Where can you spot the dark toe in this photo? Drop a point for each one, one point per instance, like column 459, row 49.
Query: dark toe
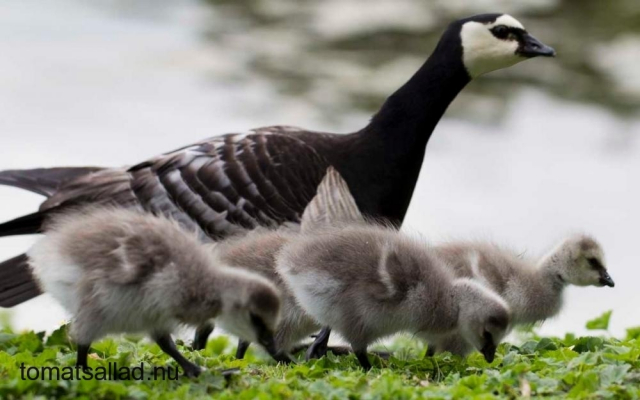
column 315, row 351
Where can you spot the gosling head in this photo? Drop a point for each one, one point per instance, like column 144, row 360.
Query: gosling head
column 483, row 318
column 251, row 309
column 494, row 41
column 580, row 261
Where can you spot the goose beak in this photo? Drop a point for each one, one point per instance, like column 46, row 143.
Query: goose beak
column 532, row 47
column 605, row 279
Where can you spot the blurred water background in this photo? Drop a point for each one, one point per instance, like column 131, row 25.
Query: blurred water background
column 524, row 156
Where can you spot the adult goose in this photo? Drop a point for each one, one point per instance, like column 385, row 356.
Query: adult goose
column 266, row 177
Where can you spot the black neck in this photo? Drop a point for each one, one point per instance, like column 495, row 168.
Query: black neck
column 408, row 117
column 391, row 148
column 381, row 162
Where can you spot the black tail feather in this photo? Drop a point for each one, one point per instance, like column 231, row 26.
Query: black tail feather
column 44, row 181
column 17, row 284
column 25, row 225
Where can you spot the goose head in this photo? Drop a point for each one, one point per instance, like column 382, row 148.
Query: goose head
column 580, row 261
column 494, row 41
column 483, row 318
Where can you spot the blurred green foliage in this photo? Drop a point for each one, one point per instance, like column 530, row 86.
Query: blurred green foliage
column 569, row 367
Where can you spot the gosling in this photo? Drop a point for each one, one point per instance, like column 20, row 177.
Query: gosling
column 257, row 252
column 533, row 291
column 122, row 271
column 368, row 281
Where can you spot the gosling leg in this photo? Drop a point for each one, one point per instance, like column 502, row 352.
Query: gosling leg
column 361, row 355
column 83, row 352
column 202, row 336
column 167, row 345
column 243, row 345
column 431, row 351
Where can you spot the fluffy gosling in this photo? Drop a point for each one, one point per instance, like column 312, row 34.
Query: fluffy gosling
column 368, row 282
column 257, row 253
column 534, row 291
column 117, row 271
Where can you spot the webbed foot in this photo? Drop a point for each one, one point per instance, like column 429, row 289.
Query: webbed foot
column 320, row 346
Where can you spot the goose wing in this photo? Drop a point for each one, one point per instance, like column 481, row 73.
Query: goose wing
column 332, row 203
column 265, row 177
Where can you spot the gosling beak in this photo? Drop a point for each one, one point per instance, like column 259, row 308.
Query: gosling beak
column 489, row 351
column 605, row 279
column 270, row 345
column 266, row 339
column 532, row 47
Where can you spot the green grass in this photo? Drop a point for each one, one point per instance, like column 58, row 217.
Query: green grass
column 575, row 367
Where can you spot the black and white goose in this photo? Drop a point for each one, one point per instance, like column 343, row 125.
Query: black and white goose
column 266, row 177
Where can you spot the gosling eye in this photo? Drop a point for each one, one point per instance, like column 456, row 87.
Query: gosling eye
column 595, row 263
column 500, row 31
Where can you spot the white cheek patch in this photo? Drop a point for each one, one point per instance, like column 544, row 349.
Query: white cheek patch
column 482, row 52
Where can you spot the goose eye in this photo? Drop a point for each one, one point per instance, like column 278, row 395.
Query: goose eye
column 595, row 263
column 500, row 31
